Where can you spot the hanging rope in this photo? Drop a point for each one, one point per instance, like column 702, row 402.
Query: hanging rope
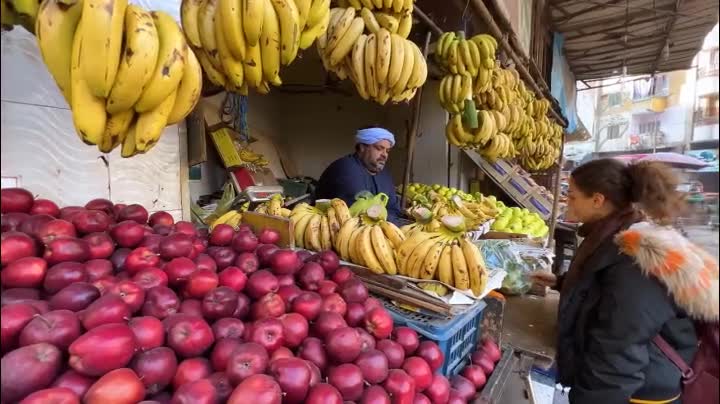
column 234, row 114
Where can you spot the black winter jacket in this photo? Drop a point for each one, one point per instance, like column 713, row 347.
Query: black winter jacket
column 606, row 324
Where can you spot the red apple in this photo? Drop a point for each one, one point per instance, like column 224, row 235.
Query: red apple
column 66, row 249
column 379, row 323
column 199, row 283
column 105, row 310
column 393, row 351
column 176, row 245
column 101, row 245
column 16, row 245
column 261, row 283
column 420, row 371
column 55, row 395
column 221, row 352
column 334, row 303
column 119, row 386
column 246, row 360
column 256, row 389
column 476, row 375
column 348, row 379
column 102, row 205
column 326, row 322
column 308, row 304
column 13, row 221
column 222, row 385
column 74, row 297
column 232, row 328
column 192, row 306
column 293, row 376
column 355, row 315
column 234, row 278
column 13, row 318
column 374, row 366
column 62, row 275
column 269, row 236
column 102, row 349
column 190, row 336
column 26, row 272
column 247, row 262
column 224, row 257
column 312, row 350
column 221, row 235
column 130, row 292
column 160, row 302
column 59, row 327
column 375, row 395
column 155, row 367
column 269, row 306
column 432, row 354
column 141, row 258
column 149, row 332
column 180, row 269
column 77, row 383
column 28, row 369
column 220, row 302
column 323, row 393
column 343, row 344
column 97, row 269
column 186, row 228
column 191, row 370
column 439, row 390
column 135, row 213
column 149, row 278
column 268, row 332
column 326, row 287
column 288, row 293
column 91, row 221
column 55, row 229
column 197, row 392
column 342, row 275
column 400, row 386
column 161, row 218
column 309, row 275
column 244, row 241
column 408, row 338
column 243, row 307
column 295, row 329
column 127, row 234
column 464, row 387
column 16, row 200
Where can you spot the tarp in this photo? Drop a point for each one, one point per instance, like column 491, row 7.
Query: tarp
column 709, row 156
column 562, row 84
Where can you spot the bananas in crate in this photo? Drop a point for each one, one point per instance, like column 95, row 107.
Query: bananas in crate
column 231, row 218
column 243, row 44
column 126, row 72
column 382, row 64
column 19, row 12
column 273, row 207
column 445, row 255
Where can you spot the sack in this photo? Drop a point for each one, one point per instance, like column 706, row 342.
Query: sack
column 700, row 379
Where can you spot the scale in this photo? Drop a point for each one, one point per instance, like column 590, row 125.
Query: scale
column 261, row 193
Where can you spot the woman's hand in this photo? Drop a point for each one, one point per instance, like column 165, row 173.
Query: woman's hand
column 543, row 278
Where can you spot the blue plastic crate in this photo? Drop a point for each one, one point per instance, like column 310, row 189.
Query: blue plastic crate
column 456, row 336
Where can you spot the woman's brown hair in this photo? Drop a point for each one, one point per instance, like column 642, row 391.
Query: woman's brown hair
column 651, row 185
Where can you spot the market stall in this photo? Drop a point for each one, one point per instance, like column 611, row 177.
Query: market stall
column 260, row 288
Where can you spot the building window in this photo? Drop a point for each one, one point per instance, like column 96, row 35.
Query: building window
column 649, row 87
column 648, row 127
column 613, row 132
column 614, row 99
column 708, row 108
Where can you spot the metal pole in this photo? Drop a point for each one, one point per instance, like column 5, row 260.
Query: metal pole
column 414, row 125
column 556, row 194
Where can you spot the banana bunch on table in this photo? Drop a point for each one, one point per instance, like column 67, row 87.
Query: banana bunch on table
column 383, row 65
column 370, row 243
column 243, row 44
column 231, row 218
column 126, row 72
column 446, row 255
column 274, row 207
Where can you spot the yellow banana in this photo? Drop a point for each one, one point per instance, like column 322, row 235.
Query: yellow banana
column 102, row 33
column 341, row 210
column 150, row 124
column 392, row 233
column 452, row 57
column 309, row 35
column 289, row 30
column 383, row 251
column 366, row 252
column 378, row 4
column 460, row 270
column 466, row 57
column 115, row 130
column 388, row 22
column 303, row 7
column 419, row 72
column 342, row 239
column 325, row 237
column 357, row 62
column 137, row 64
column 230, row 16
column 417, row 257
column 429, row 265
column 55, row 29
column 367, row 4
column 312, row 233
column 333, row 224
column 405, row 25
column 317, row 12
column 407, row 247
column 407, row 69
column 206, row 28
column 189, row 10
column 301, row 223
column 88, row 110
column 170, row 65
column 189, row 90
column 354, row 255
column 345, row 44
column 252, row 20
column 382, row 62
column 270, row 45
column 370, row 21
column 338, row 29
column 370, row 73
column 253, row 66
column 216, row 76
column 476, row 267
column 128, row 144
column 444, row 269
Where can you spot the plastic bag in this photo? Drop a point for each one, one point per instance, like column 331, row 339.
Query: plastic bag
column 503, row 254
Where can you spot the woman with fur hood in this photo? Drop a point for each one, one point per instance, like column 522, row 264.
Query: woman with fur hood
column 631, row 279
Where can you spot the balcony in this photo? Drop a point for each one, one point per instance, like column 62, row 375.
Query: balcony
column 711, row 70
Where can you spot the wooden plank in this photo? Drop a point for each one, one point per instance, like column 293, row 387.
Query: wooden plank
column 258, row 221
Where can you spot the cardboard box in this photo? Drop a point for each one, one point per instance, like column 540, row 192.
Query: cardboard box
column 517, row 189
column 500, row 170
column 540, row 204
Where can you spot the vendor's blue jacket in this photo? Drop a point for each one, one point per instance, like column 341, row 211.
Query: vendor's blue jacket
column 347, row 176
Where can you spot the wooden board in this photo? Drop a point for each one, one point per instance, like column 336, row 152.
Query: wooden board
column 259, row 221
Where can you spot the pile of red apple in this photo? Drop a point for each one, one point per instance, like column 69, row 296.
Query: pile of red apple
column 107, row 304
column 474, row 376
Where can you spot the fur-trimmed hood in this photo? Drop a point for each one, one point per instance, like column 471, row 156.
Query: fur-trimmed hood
column 689, row 273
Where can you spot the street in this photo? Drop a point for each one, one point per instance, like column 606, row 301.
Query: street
column 705, row 237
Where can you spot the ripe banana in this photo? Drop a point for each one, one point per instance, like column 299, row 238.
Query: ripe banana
column 345, row 44
column 333, row 224
column 382, row 62
column 289, row 30
column 300, row 222
column 102, row 33
column 88, row 110
column 407, row 247
column 253, row 66
column 342, row 239
column 392, row 233
column 252, row 20
column 128, row 144
column 115, row 130
column 270, row 45
column 55, row 29
column 189, row 90
column 370, row 72
column 206, row 28
column 337, row 29
column 370, row 21
column 170, row 65
column 150, row 124
column 429, row 265
column 419, row 72
column 230, row 16
column 366, row 252
column 397, row 49
column 388, row 22
column 353, row 251
column 325, row 237
column 414, row 262
column 341, row 210
column 460, row 270
column 312, row 233
column 137, row 64
column 444, row 269
column 405, row 25
column 309, row 35
column 216, row 76
column 407, row 69
column 475, row 266
column 383, row 250
column 357, row 64
column 317, row 12
column 189, row 10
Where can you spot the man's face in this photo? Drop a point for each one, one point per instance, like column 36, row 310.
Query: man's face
column 374, row 156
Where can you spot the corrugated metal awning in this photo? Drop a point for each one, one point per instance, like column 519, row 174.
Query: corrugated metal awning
column 605, row 37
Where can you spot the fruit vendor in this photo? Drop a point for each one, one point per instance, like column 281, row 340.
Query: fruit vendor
column 363, row 170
